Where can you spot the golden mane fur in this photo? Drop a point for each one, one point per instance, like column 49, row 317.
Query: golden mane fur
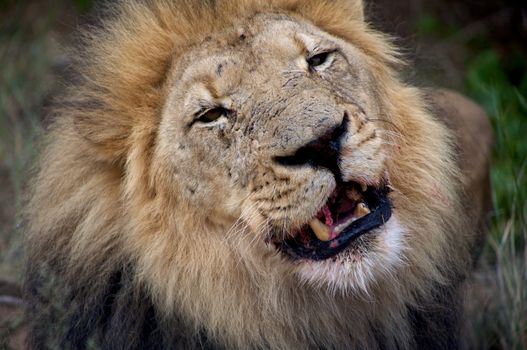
column 103, row 205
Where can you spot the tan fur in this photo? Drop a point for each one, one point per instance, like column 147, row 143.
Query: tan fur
column 109, row 189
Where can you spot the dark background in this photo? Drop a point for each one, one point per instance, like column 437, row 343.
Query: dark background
column 476, row 47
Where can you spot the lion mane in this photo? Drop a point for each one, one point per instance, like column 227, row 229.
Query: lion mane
column 118, row 259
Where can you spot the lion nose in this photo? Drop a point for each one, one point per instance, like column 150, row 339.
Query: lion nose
column 321, row 152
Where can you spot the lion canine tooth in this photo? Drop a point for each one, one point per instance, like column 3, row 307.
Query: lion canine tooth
column 361, row 210
column 321, row 230
column 363, row 187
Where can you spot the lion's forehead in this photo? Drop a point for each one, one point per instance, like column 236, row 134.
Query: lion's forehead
column 244, row 48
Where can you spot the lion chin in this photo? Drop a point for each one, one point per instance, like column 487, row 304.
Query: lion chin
column 354, row 270
column 252, row 174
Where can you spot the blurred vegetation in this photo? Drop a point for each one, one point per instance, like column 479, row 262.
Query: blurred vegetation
column 505, row 98
column 83, row 5
column 25, row 61
column 495, row 75
column 485, row 56
column 500, row 85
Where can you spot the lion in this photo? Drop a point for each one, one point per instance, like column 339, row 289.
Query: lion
column 252, row 174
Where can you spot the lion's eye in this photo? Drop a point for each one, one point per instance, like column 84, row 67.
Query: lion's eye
column 212, row 115
column 319, row 59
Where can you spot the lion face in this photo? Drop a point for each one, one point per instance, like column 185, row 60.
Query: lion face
column 232, row 167
column 277, row 124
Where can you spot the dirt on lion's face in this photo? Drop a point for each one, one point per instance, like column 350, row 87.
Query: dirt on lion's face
column 278, row 123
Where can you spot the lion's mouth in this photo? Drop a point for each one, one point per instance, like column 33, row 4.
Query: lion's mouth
column 351, row 211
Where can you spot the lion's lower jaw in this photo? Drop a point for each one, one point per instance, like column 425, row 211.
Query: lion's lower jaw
column 354, row 271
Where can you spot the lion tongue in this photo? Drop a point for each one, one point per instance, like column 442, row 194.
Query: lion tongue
column 321, row 229
column 328, row 219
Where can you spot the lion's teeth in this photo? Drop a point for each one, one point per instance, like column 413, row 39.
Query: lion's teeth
column 361, row 210
column 363, row 187
column 321, row 230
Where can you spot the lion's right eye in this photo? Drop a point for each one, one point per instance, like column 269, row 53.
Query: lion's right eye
column 320, row 61
column 212, row 115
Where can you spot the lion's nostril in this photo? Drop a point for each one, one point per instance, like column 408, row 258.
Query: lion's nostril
column 322, row 152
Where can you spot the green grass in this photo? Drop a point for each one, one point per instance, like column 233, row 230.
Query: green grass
column 497, row 299
column 26, row 78
column 496, row 78
column 506, row 104
column 502, row 322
